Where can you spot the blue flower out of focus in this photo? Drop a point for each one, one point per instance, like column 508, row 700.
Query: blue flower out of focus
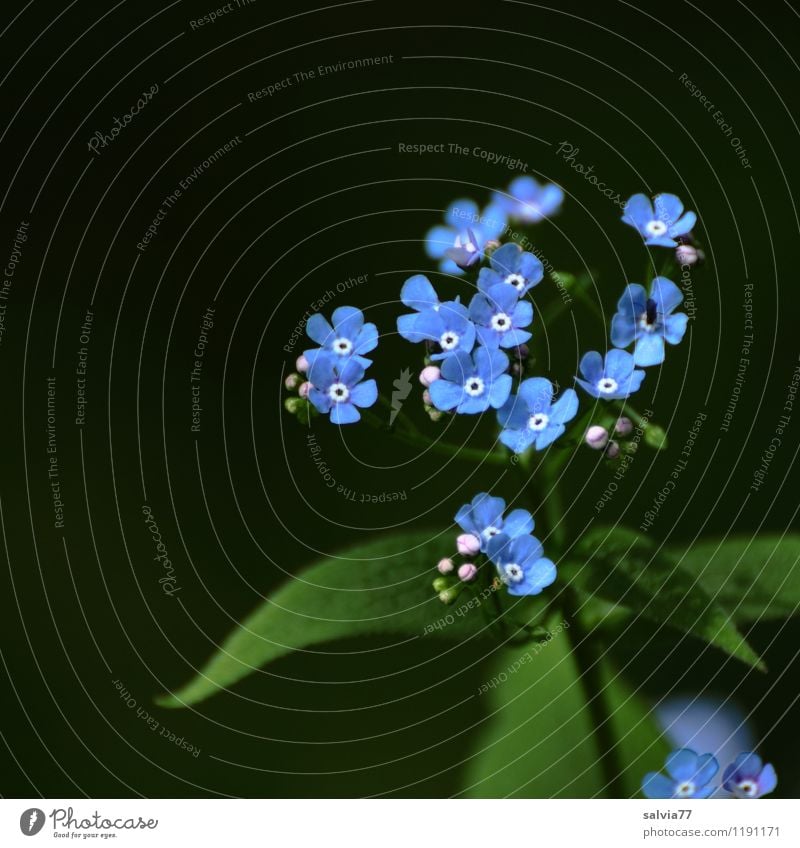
column 512, row 266
column 521, row 564
column 348, row 337
column 648, row 320
column 531, row 417
column 337, row 387
column 471, row 384
column 661, row 224
column 613, row 379
column 748, row 777
column 529, row 201
column 500, row 317
column 689, row 776
column 483, row 518
column 460, row 242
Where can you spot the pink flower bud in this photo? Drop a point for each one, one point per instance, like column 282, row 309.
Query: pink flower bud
column 687, row 254
column 304, row 389
column 467, row 572
column 445, row 566
column 426, row 398
column 596, row 437
column 467, row 544
column 429, row 375
column 623, row 427
column 292, row 382
column 301, row 364
column 612, row 451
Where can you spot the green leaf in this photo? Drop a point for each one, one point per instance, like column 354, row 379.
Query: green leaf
column 627, row 569
column 756, row 579
column 539, row 739
column 381, row 587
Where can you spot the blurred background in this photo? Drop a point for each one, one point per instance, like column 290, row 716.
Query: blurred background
column 314, row 191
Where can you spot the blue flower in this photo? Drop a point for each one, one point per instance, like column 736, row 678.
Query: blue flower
column 529, row 201
column 336, row 387
column 483, row 518
column 418, row 294
column 520, row 564
column 531, row 418
column 659, row 226
column 613, row 380
column 748, row 777
column 513, row 266
column 689, row 776
column 349, row 336
column 471, row 384
column 649, row 320
column 500, row 317
column 464, row 235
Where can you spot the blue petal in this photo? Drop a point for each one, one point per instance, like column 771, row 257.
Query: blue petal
column 464, row 520
column 523, row 314
column 649, row 349
column 499, row 390
column 487, row 511
column 633, row 301
column 655, row 785
column 321, row 370
column 619, row 364
column 551, row 199
column 681, row 764
column 473, row 405
column 444, row 394
column 748, row 765
column 481, row 309
column 684, row 225
column 707, row 767
column 350, row 373
column 638, row 211
column 488, row 278
column 321, row 400
column 517, row 440
column 532, row 269
column 591, row 366
column 623, row 330
column 319, row 330
column 666, row 295
column 565, row 408
column 503, row 298
column 418, row 293
column 489, row 338
column 547, row 436
column 517, row 523
column 589, row 388
column 505, row 260
column 490, row 363
column 438, row 240
column 514, row 338
column 430, row 325
column 366, row 340
column 539, row 575
column 675, row 327
column 525, row 550
column 344, row 413
column 493, row 222
column 407, row 327
column 660, row 241
column 458, row 367
column 347, row 321
column 462, row 213
column 537, row 392
column 364, row 394
column 632, row 385
column 513, row 414
column 668, row 208
column 767, row 780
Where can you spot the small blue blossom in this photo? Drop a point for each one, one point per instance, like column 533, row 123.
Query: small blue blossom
column 689, row 776
column 471, row 384
column 418, row 294
column 659, row 226
column 512, row 266
column 337, row 387
column 613, row 379
column 531, row 418
column 460, row 242
column 348, row 337
column 500, row 317
column 748, row 777
column 483, row 518
column 649, row 320
column 529, row 201
column 521, row 564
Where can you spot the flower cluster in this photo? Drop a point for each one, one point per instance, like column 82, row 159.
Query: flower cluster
column 690, row 775
column 504, row 540
column 335, row 370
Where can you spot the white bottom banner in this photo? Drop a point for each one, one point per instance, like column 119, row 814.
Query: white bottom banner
column 400, row 823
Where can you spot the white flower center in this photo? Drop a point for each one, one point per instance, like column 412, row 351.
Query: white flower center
column 342, row 346
column 490, row 531
column 538, row 421
column 514, row 573
column 645, row 324
column 685, row 789
column 466, row 244
column 608, row 385
column 516, row 280
column 449, row 340
column 501, row 322
column 474, row 387
column 656, row 228
column 747, row 788
column 338, row 393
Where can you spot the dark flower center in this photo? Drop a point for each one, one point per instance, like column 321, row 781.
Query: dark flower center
column 650, row 311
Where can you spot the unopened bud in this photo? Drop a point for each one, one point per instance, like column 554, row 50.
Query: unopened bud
column 522, row 352
column 612, row 450
column 429, row 375
column 623, row 427
column 687, row 254
column 596, row 437
column 293, row 405
column 426, row 398
column 467, row 572
column 301, row 364
column 448, row 596
column 445, row 566
column 468, row 545
column 435, row 415
column 440, row 584
column 292, row 382
column 655, row 437
column 304, row 389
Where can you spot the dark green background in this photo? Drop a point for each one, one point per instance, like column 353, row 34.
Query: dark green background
column 319, row 193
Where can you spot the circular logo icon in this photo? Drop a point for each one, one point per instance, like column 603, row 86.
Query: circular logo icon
column 31, row 821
